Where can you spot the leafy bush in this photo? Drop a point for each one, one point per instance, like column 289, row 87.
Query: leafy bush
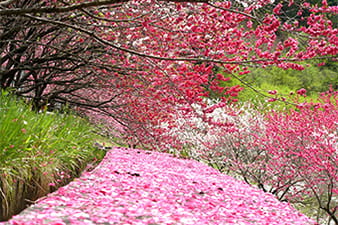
column 39, row 152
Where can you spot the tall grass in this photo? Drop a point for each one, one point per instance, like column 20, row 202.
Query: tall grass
column 39, row 152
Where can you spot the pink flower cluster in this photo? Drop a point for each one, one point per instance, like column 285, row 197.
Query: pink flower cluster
column 141, row 187
column 301, row 92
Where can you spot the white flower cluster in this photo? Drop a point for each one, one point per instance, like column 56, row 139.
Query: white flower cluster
column 215, row 136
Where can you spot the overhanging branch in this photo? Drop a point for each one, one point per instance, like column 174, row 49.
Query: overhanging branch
column 22, row 11
column 69, row 8
column 177, row 59
column 2, row 3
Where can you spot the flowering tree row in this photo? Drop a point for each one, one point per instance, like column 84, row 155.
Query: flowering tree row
column 292, row 154
column 133, row 62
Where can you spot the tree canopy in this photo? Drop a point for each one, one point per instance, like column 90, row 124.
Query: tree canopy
column 135, row 61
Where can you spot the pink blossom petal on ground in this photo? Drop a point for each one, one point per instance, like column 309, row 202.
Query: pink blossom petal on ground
column 139, row 187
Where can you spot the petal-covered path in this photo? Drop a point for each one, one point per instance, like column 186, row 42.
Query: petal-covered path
column 140, row 187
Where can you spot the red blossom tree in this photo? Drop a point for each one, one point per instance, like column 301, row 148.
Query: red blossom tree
column 301, row 153
column 290, row 153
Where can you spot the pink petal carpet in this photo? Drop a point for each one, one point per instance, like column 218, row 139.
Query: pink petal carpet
column 133, row 186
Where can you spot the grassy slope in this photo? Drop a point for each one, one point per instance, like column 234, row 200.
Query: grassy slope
column 39, row 152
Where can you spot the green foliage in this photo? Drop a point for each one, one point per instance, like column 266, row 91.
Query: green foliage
column 43, row 150
column 313, row 78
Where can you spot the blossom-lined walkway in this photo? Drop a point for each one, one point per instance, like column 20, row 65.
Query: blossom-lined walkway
column 139, row 187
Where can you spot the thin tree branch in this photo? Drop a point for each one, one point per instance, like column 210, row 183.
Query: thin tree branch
column 21, row 11
column 202, row 59
column 257, row 91
column 234, row 11
column 2, row 3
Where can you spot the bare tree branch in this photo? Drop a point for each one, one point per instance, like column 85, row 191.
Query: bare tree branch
column 2, row 3
column 21, row 11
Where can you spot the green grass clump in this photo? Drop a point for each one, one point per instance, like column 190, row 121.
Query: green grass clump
column 39, row 152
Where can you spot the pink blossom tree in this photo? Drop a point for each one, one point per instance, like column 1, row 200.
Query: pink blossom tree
column 302, row 151
column 290, row 153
